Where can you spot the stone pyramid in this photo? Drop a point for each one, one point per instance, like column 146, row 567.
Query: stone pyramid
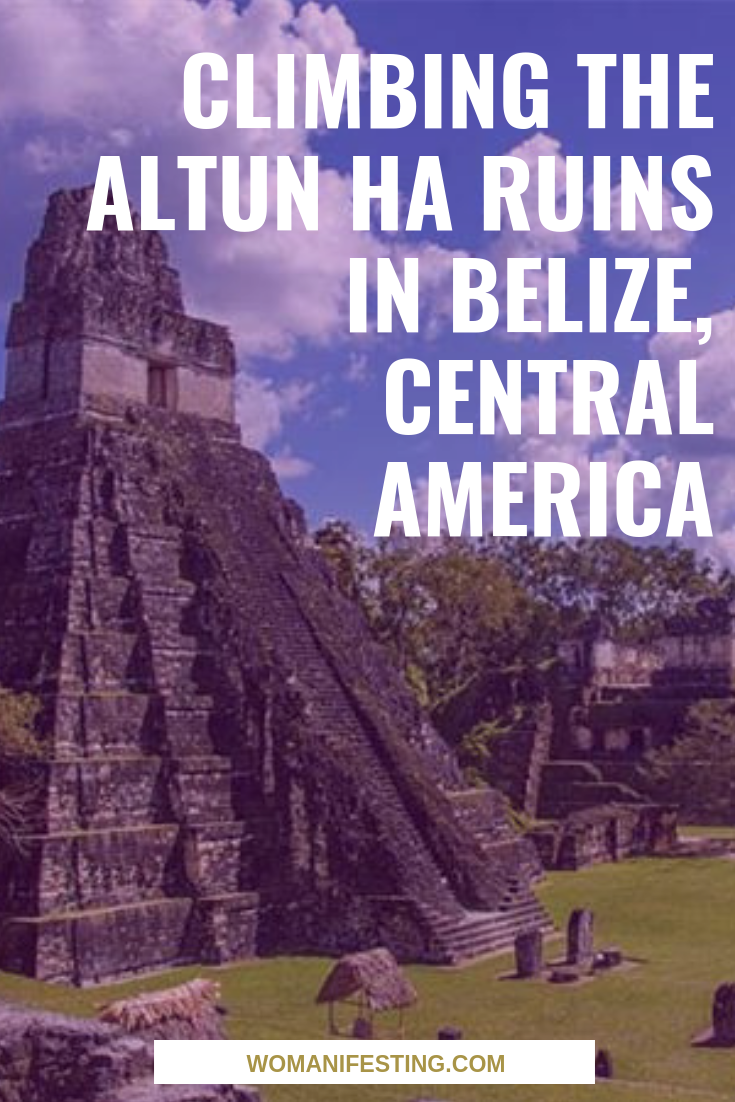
column 234, row 767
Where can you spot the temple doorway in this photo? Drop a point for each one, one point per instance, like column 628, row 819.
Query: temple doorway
column 162, row 388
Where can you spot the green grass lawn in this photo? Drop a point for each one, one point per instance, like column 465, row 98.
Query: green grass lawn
column 675, row 917
column 688, row 831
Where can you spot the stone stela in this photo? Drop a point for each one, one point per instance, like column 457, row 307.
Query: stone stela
column 581, row 938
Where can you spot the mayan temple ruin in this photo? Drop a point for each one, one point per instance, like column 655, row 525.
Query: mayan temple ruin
column 233, row 767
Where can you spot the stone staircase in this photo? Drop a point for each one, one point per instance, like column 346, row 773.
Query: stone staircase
column 457, row 939
column 286, row 614
column 273, row 600
column 342, row 736
column 570, row 786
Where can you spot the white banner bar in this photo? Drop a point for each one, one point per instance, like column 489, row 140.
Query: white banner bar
column 232, row 1063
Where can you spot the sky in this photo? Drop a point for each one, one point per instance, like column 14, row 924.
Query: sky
column 83, row 78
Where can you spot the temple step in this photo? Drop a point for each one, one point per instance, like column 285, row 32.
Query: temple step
column 479, row 933
column 135, row 790
column 71, row 871
column 89, row 946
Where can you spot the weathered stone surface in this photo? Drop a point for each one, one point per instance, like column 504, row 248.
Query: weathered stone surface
column 611, row 957
column 101, row 309
column 151, row 1093
column 564, row 974
column 51, row 1058
column 721, row 1034
column 609, row 832
column 236, row 767
column 529, row 948
column 723, row 1015
column 581, row 938
column 614, row 702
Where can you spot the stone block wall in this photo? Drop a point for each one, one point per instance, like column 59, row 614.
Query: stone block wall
column 606, row 833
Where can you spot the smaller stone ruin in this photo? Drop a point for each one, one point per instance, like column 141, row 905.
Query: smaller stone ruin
column 610, row 832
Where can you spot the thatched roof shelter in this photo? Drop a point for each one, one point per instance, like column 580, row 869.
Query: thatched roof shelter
column 373, row 980
column 188, row 1012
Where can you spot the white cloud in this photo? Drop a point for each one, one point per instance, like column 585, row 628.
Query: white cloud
column 289, row 466
column 358, row 369
column 715, row 374
column 537, row 240
column 117, row 84
column 262, row 407
column 565, row 447
column 42, row 157
column 105, row 76
column 669, row 239
column 274, row 288
column 715, row 403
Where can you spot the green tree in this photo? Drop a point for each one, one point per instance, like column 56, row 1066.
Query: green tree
column 634, row 590
column 449, row 614
column 475, row 749
column 345, row 555
column 697, row 770
column 20, row 752
column 475, row 625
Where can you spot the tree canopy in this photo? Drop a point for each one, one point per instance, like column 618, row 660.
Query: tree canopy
column 452, row 607
column 697, row 771
column 475, row 625
column 20, row 750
